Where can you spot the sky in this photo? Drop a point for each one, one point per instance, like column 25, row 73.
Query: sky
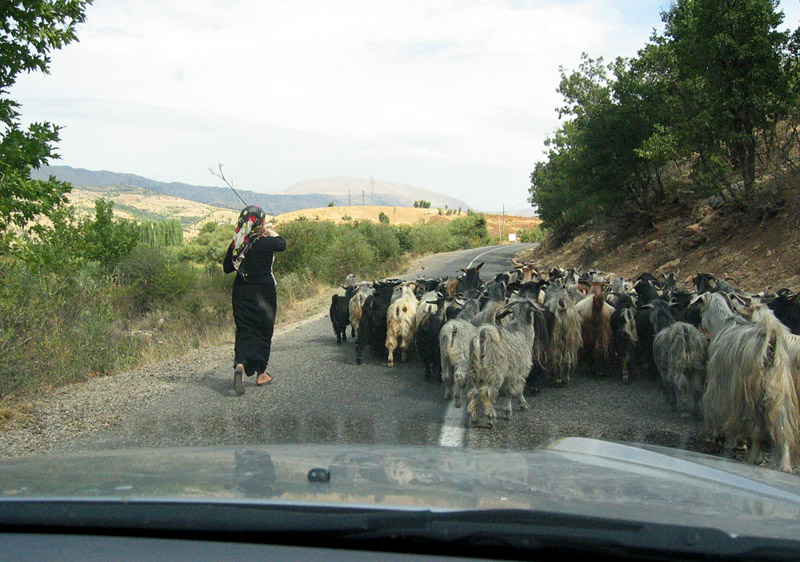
column 455, row 96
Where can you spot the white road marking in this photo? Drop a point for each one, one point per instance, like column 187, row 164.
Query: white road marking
column 484, row 253
column 454, row 429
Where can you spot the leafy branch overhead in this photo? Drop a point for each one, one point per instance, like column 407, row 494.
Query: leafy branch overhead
column 30, row 31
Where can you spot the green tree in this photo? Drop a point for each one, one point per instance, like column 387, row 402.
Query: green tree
column 383, row 217
column 106, row 240
column 30, row 31
column 731, row 76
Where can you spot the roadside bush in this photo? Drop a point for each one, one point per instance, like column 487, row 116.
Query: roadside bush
column 535, row 234
column 150, row 277
column 209, row 246
column 349, row 252
column 469, row 231
column 56, row 327
column 431, row 237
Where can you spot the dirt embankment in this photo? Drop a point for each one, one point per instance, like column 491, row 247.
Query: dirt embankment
column 755, row 250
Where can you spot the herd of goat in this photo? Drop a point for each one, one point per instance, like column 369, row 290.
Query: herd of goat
column 721, row 354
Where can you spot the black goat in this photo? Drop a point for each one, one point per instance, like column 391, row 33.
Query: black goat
column 372, row 327
column 426, row 338
column 787, row 309
column 340, row 316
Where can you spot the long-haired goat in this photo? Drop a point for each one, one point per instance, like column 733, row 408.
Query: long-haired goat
column 565, row 338
column 750, row 388
column 680, row 351
column 401, row 322
column 596, row 331
column 786, row 307
column 372, row 326
column 501, row 361
column 363, row 290
column 426, row 337
column 455, row 338
column 623, row 327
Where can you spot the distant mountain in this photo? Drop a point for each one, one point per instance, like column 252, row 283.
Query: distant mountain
column 216, row 196
column 307, row 194
column 358, row 191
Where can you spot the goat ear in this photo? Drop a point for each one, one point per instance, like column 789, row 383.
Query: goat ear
column 480, row 265
column 501, row 313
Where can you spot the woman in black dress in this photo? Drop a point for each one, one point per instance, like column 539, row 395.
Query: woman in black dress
column 251, row 255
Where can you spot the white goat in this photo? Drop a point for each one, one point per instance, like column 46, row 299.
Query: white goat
column 356, row 303
column 566, row 339
column 750, row 390
column 401, row 322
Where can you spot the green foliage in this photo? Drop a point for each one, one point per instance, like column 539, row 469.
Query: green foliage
column 101, row 239
column 30, row 32
column 56, row 326
column 150, row 277
column 727, row 70
column 209, row 246
column 468, row 232
column 383, row 218
column 331, row 204
column 161, row 233
column 422, row 204
column 106, row 240
column 431, row 237
column 712, row 92
column 528, row 235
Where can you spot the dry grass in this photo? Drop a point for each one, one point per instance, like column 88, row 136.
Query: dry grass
column 754, row 252
column 164, row 205
column 408, row 216
column 12, row 411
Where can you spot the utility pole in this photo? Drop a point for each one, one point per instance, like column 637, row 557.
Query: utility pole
column 363, row 203
column 372, row 181
column 348, row 198
column 502, row 223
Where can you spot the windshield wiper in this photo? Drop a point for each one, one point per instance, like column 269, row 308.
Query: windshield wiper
column 476, row 533
column 559, row 534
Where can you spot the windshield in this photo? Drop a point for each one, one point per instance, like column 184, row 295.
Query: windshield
column 450, row 255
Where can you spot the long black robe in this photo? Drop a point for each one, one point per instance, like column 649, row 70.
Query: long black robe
column 254, row 303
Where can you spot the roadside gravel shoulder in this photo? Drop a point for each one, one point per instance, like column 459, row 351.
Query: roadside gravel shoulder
column 77, row 410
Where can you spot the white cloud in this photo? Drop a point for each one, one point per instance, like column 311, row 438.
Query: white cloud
column 455, row 96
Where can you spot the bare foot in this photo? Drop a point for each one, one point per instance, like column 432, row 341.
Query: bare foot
column 263, row 378
column 238, row 379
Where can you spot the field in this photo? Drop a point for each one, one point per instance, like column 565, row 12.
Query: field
column 407, row 215
column 135, row 204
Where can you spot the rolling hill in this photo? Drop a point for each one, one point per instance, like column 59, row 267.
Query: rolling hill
column 355, row 191
column 303, row 195
column 139, row 198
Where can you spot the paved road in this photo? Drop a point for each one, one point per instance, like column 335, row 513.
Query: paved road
column 319, row 395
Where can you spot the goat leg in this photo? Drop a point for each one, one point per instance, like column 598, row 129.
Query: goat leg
column 472, row 405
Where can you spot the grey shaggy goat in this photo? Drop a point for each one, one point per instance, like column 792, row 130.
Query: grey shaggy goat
column 500, row 363
column 680, row 351
column 454, row 343
column 751, row 391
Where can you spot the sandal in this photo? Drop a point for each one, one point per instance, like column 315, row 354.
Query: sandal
column 268, row 381
column 238, row 380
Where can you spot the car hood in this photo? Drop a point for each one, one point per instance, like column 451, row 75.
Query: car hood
column 630, row 482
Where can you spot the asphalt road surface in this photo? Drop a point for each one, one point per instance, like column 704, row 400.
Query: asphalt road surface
column 319, row 394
